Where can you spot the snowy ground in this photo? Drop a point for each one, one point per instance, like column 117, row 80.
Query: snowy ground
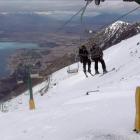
column 67, row 113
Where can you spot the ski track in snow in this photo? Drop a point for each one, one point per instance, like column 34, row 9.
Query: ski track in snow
column 65, row 112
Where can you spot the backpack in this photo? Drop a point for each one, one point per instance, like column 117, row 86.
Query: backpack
column 96, row 53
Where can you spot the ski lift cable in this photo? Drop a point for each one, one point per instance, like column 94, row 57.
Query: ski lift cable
column 72, row 17
column 80, row 42
column 108, row 24
column 124, row 15
column 83, row 24
column 68, row 21
column 84, row 9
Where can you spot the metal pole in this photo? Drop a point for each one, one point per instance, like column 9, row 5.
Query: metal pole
column 31, row 101
column 30, row 84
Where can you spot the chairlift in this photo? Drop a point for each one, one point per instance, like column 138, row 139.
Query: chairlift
column 137, row 1
column 97, row 2
column 73, row 68
column 20, row 81
column 34, row 73
column 34, row 70
column 23, row 71
column 20, row 74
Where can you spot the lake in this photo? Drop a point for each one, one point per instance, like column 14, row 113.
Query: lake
column 7, row 49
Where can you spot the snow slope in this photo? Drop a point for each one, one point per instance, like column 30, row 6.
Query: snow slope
column 67, row 113
column 118, row 25
column 115, row 33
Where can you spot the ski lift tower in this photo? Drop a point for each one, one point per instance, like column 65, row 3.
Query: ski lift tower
column 27, row 70
column 29, row 81
column 24, row 75
column 32, row 71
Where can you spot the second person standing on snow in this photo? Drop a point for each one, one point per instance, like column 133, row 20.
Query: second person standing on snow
column 97, row 56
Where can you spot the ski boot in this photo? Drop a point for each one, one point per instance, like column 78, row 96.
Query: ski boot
column 105, row 71
column 97, row 72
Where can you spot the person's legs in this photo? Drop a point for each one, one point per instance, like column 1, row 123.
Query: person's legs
column 96, row 66
column 84, row 66
column 89, row 65
column 103, row 64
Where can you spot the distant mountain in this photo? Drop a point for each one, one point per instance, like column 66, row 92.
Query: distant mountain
column 43, row 22
column 27, row 22
column 115, row 33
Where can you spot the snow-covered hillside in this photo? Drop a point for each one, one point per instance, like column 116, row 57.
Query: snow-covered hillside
column 119, row 29
column 65, row 112
column 115, row 33
column 119, row 25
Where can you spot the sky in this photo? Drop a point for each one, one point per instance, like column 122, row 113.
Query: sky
column 67, row 7
column 64, row 5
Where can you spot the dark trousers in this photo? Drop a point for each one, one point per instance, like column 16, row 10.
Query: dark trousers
column 87, row 62
column 101, row 60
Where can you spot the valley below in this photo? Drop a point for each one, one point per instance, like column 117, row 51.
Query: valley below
column 51, row 52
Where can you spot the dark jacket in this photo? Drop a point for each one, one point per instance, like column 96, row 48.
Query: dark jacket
column 96, row 52
column 83, row 54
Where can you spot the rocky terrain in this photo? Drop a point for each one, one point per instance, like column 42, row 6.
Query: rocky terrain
column 54, row 53
column 114, row 34
column 54, row 47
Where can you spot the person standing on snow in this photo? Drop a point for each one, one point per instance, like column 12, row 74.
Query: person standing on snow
column 84, row 58
column 97, row 56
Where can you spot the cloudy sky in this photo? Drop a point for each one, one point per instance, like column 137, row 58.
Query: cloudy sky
column 66, row 7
